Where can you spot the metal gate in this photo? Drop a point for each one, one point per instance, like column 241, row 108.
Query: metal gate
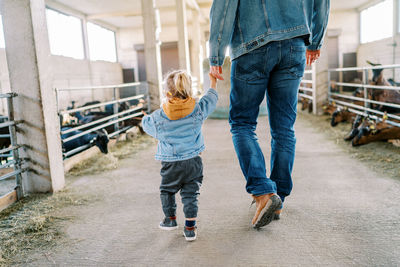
column 343, row 99
column 10, row 160
column 138, row 91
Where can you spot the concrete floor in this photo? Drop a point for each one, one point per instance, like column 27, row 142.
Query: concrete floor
column 340, row 213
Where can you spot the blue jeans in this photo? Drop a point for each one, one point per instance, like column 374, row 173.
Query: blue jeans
column 274, row 70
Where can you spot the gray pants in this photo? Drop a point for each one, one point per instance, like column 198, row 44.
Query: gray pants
column 186, row 176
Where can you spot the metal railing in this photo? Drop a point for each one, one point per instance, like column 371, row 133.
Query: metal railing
column 138, row 91
column 11, row 156
column 345, row 100
column 307, row 87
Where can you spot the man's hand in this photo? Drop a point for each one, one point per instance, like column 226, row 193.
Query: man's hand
column 312, row 55
column 216, row 72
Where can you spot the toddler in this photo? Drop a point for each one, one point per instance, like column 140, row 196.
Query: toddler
column 177, row 126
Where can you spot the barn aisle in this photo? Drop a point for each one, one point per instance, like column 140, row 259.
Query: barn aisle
column 340, row 213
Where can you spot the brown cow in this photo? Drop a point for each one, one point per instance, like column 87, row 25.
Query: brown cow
column 342, row 115
column 329, row 108
column 376, row 131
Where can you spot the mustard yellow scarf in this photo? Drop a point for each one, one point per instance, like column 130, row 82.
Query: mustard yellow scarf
column 177, row 108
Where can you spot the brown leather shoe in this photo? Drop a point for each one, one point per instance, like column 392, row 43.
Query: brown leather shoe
column 266, row 206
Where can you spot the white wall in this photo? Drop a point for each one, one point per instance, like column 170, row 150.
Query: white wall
column 129, row 37
column 346, row 23
column 69, row 72
column 381, row 52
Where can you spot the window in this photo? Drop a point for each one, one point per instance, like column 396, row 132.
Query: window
column 65, row 34
column 2, row 42
column 377, row 22
column 101, row 43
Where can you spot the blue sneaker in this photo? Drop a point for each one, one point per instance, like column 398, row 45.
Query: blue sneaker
column 168, row 224
column 190, row 233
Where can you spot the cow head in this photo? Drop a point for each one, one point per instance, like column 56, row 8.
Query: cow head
column 366, row 132
column 339, row 115
column 102, row 140
column 354, row 129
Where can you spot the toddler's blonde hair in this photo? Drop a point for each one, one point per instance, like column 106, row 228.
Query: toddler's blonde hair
column 178, row 83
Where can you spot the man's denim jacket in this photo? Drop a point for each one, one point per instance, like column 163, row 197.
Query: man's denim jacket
column 246, row 25
column 180, row 139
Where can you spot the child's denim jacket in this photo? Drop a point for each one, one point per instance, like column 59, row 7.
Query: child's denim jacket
column 180, row 139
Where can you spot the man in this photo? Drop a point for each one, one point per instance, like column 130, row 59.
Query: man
column 270, row 43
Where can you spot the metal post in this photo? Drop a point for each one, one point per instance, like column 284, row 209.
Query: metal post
column 15, row 154
column 116, row 128
column 329, row 85
column 147, row 97
column 365, row 82
column 314, row 87
column 56, row 99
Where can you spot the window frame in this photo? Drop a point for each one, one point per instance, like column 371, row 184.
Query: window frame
column 395, row 18
column 82, row 23
column 108, row 29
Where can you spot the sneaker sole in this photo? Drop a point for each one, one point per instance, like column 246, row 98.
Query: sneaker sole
column 167, row 228
column 189, row 238
column 268, row 213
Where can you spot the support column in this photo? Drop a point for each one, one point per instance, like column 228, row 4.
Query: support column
column 30, row 70
column 151, row 29
column 321, row 78
column 183, row 43
column 197, row 57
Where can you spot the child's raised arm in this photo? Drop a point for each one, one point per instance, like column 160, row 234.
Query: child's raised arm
column 149, row 126
column 213, row 81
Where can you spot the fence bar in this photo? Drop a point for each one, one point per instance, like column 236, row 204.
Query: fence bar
column 100, row 87
column 306, row 81
column 100, row 127
column 366, row 109
column 7, row 123
column 8, row 95
column 119, row 131
column 76, row 150
column 13, row 148
column 367, row 68
column 100, row 120
column 368, row 100
column 306, row 89
column 3, row 166
column 306, row 96
column 100, row 104
column 11, row 174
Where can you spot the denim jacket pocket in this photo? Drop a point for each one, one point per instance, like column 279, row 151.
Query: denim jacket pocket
column 250, row 66
column 297, row 61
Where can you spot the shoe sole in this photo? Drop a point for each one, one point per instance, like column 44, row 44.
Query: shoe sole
column 268, row 212
column 189, row 238
column 167, row 228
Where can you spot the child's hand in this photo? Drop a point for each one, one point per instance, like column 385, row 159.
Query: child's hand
column 213, row 81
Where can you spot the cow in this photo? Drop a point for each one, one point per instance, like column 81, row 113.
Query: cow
column 376, row 131
column 342, row 115
column 99, row 138
column 329, row 108
column 383, row 95
column 355, row 127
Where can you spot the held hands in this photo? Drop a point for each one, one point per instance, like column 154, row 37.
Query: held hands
column 312, row 55
column 215, row 73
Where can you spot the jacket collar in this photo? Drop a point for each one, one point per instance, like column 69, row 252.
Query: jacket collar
column 177, row 108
